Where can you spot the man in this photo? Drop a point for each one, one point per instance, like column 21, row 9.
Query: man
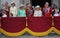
column 47, row 11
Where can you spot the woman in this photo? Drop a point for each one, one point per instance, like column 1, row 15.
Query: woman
column 28, row 10
column 21, row 11
column 13, row 10
column 7, row 9
column 47, row 11
column 37, row 11
column 3, row 11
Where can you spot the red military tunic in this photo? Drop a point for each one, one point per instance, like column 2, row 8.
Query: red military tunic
column 47, row 11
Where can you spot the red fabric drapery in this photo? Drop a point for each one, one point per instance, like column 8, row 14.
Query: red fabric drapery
column 34, row 25
column 13, row 25
column 57, row 23
column 39, row 24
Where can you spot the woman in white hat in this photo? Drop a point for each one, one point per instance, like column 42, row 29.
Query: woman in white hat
column 21, row 11
column 13, row 10
column 37, row 11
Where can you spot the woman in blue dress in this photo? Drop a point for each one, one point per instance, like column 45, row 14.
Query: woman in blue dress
column 21, row 11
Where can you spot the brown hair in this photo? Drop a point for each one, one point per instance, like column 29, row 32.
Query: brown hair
column 13, row 3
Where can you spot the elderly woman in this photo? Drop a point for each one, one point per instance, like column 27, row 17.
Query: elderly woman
column 21, row 11
column 37, row 11
column 47, row 11
column 13, row 10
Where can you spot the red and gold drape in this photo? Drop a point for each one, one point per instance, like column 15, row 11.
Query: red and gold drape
column 13, row 26
column 36, row 26
column 57, row 25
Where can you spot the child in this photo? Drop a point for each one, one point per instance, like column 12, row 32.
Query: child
column 56, row 12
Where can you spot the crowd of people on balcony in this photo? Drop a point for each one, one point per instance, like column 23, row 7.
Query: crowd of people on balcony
column 37, row 11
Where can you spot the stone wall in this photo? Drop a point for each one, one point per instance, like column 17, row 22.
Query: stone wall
column 18, row 2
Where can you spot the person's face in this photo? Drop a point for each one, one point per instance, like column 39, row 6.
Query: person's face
column 28, row 9
column 37, row 9
column 46, row 5
column 13, row 5
column 22, row 7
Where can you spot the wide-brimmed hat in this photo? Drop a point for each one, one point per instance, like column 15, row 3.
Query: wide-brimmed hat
column 37, row 6
column 21, row 5
column 12, row 2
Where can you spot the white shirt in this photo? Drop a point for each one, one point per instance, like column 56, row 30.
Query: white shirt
column 56, row 14
column 37, row 13
column 13, row 10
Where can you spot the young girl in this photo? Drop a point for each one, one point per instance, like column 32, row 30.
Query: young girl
column 37, row 11
column 56, row 12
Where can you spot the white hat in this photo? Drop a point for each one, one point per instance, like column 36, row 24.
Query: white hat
column 37, row 6
column 21, row 5
column 12, row 2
